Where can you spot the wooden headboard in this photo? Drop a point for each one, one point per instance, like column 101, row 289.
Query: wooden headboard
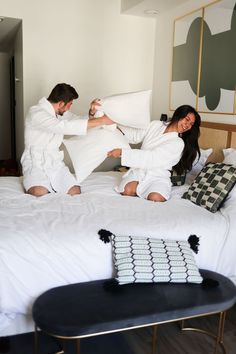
column 217, row 136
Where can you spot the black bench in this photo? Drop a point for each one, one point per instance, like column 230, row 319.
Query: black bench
column 87, row 309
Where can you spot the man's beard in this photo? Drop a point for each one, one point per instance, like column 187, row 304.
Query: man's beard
column 60, row 112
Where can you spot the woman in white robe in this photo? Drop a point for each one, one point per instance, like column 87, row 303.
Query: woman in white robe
column 45, row 126
column 163, row 146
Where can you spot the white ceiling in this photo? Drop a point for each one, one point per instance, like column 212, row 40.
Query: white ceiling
column 8, row 29
column 138, row 7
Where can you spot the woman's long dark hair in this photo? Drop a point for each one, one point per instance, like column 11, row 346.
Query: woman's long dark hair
column 190, row 138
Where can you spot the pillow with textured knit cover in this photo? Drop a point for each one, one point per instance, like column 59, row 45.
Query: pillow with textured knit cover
column 177, row 180
column 211, row 187
column 151, row 260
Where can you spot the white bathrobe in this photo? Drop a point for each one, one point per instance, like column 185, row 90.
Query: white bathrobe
column 151, row 164
column 42, row 161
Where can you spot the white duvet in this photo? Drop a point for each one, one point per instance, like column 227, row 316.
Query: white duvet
column 52, row 240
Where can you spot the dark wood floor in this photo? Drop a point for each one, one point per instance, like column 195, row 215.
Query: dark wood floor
column 170, row 340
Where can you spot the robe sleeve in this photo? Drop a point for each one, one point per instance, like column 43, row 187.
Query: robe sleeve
column 69, row 125
column 133, row 135
column 165, row 156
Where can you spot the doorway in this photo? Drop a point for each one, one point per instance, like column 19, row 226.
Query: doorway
column 11, row 98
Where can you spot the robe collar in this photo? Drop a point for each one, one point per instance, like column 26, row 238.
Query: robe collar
column 45, row 104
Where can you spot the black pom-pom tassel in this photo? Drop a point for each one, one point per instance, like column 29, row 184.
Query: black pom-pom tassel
column 104, row 235
column 112, row 285
column 209, row 283
column 193, row 240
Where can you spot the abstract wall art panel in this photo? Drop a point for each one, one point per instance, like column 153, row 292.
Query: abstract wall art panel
column 186, row 60
column 204, row 59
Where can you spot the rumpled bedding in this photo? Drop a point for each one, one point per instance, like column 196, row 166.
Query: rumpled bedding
column 51, row 241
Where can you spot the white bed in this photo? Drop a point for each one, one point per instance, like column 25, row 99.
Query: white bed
column 52, row 240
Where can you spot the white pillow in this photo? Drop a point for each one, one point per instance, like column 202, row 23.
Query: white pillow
column 230, row 156
column 130, row 109
column 89, row 151
column 198, row 165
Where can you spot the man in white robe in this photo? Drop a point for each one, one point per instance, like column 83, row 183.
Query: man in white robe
column 46, row 124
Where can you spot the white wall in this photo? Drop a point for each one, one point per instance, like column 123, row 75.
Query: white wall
column 92, row 46
column 5, row 117
column 163, row 62
column 86, row 43
column 127, row 4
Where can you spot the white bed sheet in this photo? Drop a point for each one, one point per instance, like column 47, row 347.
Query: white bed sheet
column 52, row 240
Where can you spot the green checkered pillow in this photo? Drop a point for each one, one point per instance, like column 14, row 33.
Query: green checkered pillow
column 151, row 260
column 211, row 186
column 177, row 180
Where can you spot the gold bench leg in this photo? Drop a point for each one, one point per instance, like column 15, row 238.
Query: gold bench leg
column 218, row 337
column 220, row 332
column 36, row 339
column 78, row 346
column 62, row 351
column 154, row 340
column 36, row 343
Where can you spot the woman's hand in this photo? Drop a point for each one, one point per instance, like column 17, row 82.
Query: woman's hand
column 115, row 153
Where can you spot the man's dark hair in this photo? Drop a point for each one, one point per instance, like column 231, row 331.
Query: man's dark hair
column 62, row 92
